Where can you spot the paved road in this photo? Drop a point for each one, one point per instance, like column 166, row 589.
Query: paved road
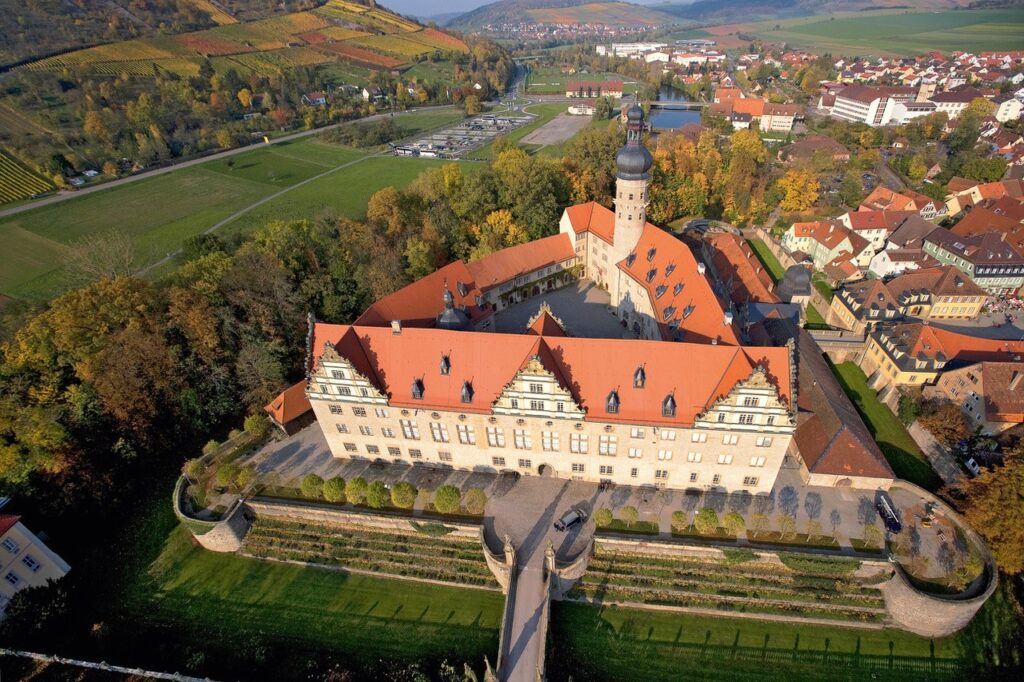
column 66, row 195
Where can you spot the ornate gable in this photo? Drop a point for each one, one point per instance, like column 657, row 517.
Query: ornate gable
column 537, row 391
column 336, row 378
column 753, row 403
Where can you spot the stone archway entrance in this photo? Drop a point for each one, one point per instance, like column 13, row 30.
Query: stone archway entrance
column 546, row 471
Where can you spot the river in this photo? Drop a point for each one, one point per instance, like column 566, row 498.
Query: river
column 666, row 119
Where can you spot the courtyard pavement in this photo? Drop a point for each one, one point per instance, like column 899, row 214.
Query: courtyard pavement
column 583, row 307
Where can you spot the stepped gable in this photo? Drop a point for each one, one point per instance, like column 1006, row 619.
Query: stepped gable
column 545, row 323
column 393, row 361
column 687, row 310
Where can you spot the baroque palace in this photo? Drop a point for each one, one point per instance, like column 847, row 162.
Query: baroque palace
column 424, row 376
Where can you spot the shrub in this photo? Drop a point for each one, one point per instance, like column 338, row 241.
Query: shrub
column 706, row 521
column 872, row 536
column 603, row 517
column 759, row 523
column 476, row 501
column 233, row 434
column 312, row 485
column 680, row 520
column 245, row 476
column 355, row 490
column 334, row 489
column 447, row 499
column 629, row 515
column 787, row 526
column 256, row 424
column 226, row 474
column 738, row 556
column 377, row 495
column 818, row 565
column 734, row 523
column 432, row 528
column 907, row 409
column 403, row 495
column 210, row 447
column 194, row 468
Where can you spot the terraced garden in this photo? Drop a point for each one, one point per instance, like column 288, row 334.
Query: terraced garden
column 802, row 586
column 414, row 554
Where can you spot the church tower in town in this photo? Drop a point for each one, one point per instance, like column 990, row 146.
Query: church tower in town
column 633, row 163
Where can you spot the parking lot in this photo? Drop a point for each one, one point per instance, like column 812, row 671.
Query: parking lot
column 456, row 141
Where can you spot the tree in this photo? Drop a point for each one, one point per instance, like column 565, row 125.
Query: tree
column 475, row 501
column 403, row 495
column 680, row 520
column 226, row 474
column 471, row 105
column 917, row 168
column 211, row 446
column 851, row 190
column 245, row 97
column 787, row 526
column 629, row 515
column 194, row 468
column 355, row 490
column 946, row 422
column 706, row 521
column 980, row 107
column 498, row 231
column 377, row 496
column 448, row 499
column 603, row 517
column 800, row 187
column 312, row 486
column 734, row 523
column 102, row 255
column 992, row 505
column 334, row 489
column 256, row 424
column 246, row 475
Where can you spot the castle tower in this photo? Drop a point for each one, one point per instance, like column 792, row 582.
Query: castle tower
column 633, row 163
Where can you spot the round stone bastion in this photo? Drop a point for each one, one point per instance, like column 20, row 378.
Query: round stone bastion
column 224, row 535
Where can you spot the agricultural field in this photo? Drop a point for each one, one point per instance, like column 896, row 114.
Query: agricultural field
column 17, row 182
column 338, row 31
column 549, row 80
column 891, row 32
column 611, row 14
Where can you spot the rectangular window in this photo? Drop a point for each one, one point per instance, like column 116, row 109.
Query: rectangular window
column 442, row 455
column 578, row 443
column 343, row 390
column 522, row 439
column 636, row 452
column 342, row 428
column 750, row 402
column 335, row 409
column 634, row 472
column 525, row 464
column 537, row 405
column 561, row 407
column 394, row 452
column 716, row 479
column 664, row 454
column 410, row 429
column 730, row 439
column 536, row 388
column 764, row 441
column 757, row 461
column 12, row 578
column 750, row 480
column 366, row 430
column 380, row 411
column 439, row 432
column 550, row 440
column 668, row 434
column 637, row 432
column 467, row 436
column 372, row 450
column 605, row 470
column 698, row 437
column 746, row 419
column 514, row 402
column 495, row 437
column 694, row 456
column 359, row 411
column 337, row 374
column 661, row 474
column 725, row 459
column 498, row 461
column 350, row 447
column 387, row 432
column 693, row 477
column 10, row 545
column 607, row 445
column 578, row 468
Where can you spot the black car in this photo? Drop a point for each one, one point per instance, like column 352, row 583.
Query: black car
column 887, row 510
column 571, row 519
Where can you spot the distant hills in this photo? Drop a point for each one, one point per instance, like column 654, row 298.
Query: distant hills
column 608, row 12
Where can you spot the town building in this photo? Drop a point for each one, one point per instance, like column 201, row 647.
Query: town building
column 884, row 199
column 1008, row 108
column 988, row 259
column 25, row 560
column 991, row 394
column 592, row 89
column 874, row 106
column 954, row 101
column 826, row 242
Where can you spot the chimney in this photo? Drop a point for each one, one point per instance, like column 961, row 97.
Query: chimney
column 396, row 327
column 701, row 268
column 728, row 319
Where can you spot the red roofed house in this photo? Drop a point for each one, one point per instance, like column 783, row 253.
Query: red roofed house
column 884, row 199
column 825, row 241
column 591, row 89
column 290, row 410
column 990, row 393
column 25, row 561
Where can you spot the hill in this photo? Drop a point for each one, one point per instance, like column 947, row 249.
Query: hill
column 609, row 12
column 717, row 11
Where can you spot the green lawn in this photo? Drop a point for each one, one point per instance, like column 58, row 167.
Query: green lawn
column 823, row 288
column 905, row 458
column 900, row 32
column 768, row 259
column 197, row 595
column 611, row 643
column 814, row 318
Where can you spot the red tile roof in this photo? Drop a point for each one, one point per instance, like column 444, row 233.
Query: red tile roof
column 884, row 199
column 507, row 264
column 7, row 522
column 490, row 361
column 290, row 404
column 593, row 217
column 927, row 342
column 734, row 259
column 877, row 220
column 419, row 303
column 980, row 220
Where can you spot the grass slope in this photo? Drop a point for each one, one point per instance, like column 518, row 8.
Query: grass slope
column 905, row 458
column 768, row 259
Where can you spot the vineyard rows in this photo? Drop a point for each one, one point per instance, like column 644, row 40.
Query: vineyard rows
column 17, row 182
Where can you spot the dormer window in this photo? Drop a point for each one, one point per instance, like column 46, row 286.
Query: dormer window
column 612, row 403
column 417, row 389
column 669, row 269
column 630, row 259
column 651, row 274
column 639, row 377
column 467, row 392
column 660, row 291
column 669, row 311
column 677, row 288
column 446, row 365
column 461, row 286
column 651, row 253
column 668, row 406
column 687, row 311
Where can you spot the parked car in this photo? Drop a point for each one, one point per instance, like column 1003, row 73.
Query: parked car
column 569, row 520
column 887, row 510
column 972, row 466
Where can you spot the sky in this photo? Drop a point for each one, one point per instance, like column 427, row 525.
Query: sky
column 429, row 8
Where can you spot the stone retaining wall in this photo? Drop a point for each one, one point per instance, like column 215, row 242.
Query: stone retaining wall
column 499, row 564
column 217, row 536
column 566, row 574
column 322, row 513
